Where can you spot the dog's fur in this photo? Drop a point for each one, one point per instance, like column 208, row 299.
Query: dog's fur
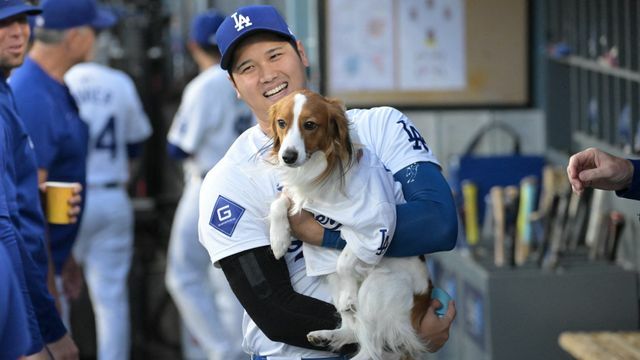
column 379, row 305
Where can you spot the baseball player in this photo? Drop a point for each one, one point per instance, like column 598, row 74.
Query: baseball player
column 26, row 212
column 118, row 126
column 265, row 62
column 64, row 36
column 209, row 119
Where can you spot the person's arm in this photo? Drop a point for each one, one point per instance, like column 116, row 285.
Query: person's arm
column 51, row 327
column 426, row 223
column 14, row 327
column 263, row 286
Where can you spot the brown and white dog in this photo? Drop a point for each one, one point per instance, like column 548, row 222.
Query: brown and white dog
column 317, row 157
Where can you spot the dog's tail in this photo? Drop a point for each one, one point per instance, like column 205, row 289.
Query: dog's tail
column 383, row 317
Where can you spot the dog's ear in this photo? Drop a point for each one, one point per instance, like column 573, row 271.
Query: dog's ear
column 273, row 114
column 336, row 102
column 339, row 127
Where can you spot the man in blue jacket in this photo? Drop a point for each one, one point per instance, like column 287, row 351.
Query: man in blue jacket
column 64, row 36
column 27, row 253
column 30, row 220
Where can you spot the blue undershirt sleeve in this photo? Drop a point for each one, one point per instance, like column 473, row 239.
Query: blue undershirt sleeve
column 426, row 223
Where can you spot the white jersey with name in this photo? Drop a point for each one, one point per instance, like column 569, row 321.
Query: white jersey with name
column 364, row 212
column 237, row 192
column 110, row 105
column 204, row 128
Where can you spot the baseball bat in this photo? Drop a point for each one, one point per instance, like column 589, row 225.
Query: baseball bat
column 551, row 259
column 595, row 217
column 616, row 225
column 470, row 202
column 497, row 204
column 525, row 208
column 510, row 217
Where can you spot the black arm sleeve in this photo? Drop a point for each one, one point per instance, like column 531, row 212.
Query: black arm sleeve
column 263, row 286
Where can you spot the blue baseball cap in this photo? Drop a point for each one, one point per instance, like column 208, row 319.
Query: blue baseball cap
column 9, row 8
column 204, row 27
column 66, row 14
column 245, row 21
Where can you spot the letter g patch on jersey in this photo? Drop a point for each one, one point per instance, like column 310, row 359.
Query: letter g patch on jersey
column 225, row 215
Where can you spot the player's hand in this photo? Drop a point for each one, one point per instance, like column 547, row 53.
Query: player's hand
column 64, row 349
column 72, row 280
column 41, row 355
column 434, row 330
column 305, row 228
column 598, row 169
column 75, row 203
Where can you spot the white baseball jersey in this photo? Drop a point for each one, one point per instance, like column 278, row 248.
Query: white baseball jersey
column 203, row 128
column 366, row 216
column 110, row 105
column 237, row 192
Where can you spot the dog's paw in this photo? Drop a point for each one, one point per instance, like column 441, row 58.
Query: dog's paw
column 280, row 241
column 320, row 337
column 334, row 339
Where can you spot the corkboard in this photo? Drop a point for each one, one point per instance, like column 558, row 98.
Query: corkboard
column 494, row 46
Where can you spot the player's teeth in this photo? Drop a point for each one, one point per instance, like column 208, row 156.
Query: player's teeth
column 275, row 90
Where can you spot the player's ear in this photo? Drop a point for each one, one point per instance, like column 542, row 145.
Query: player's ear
column 303, row 54
column 233, row 83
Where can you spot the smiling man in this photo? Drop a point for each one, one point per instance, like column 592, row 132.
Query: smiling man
column 265, row 62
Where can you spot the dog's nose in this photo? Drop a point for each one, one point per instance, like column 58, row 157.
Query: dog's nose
column 289, row 156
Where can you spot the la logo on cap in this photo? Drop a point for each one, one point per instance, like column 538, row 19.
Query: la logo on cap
column 241, row 21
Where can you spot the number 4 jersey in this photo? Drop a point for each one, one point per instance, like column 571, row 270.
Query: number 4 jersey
column 111, row 107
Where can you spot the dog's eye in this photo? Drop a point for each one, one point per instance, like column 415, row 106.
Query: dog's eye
column 282, row 124
column 310, row 125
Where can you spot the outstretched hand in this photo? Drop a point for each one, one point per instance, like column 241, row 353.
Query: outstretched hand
column 600, row 170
